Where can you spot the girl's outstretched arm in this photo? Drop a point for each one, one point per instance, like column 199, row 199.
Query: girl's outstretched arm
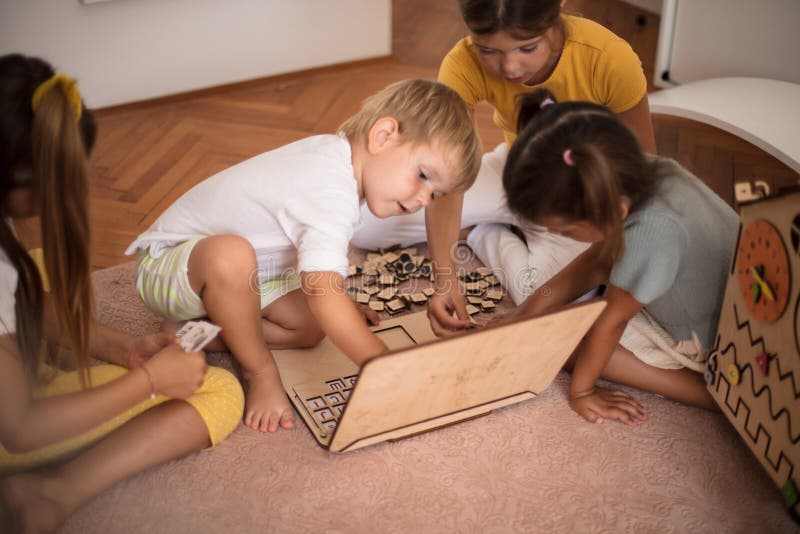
column 27, row 423
column 591, row 358
column 443, row 222
column 583, row 274
column 638, row 119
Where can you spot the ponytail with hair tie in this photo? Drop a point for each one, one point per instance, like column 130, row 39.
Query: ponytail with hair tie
column 546, row 102
column 567, row 156
column 532, row 104
column 68, row 87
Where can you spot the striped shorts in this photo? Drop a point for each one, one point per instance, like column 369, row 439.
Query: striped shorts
column 163, row 284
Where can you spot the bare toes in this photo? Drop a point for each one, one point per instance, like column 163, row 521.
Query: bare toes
column 287, row 420
column 274, row 419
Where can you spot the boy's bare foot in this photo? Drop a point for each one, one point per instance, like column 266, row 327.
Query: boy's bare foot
column 266, row 406
column 171, row 327
column 32, row 504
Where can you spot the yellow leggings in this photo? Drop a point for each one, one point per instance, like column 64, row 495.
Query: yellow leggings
column 219, row 401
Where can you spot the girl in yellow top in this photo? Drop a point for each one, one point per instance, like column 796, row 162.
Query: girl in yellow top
column 514, row 47
column 152, row 403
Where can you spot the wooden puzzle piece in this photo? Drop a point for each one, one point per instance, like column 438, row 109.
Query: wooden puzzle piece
column 371, row 290
column 473, row 288
column 387, row 280
column 492, row 280
column 494, row 294
column 387, row 294
column 395, row 306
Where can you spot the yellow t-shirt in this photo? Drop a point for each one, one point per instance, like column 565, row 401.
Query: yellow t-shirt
column 595, row 66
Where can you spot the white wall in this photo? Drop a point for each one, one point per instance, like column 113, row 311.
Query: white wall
column 701, row 39
column 127, row 50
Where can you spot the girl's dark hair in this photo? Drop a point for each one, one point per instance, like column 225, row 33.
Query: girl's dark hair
column 46, row 154
column 523, row 19
column 607, row 163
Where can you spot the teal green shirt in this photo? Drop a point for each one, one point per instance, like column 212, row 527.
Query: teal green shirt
column 678, row 249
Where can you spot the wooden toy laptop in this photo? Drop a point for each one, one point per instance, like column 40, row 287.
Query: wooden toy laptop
column 753, row 371
column 423, row 382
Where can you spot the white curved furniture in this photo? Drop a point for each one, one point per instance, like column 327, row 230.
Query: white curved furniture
column 761, row 111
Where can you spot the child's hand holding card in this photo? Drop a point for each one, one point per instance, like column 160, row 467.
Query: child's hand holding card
column 195, row 335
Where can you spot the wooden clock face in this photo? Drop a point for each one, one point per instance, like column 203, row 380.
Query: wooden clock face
column 763, row 271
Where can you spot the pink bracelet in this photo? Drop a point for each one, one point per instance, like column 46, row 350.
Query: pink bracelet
column 151, row 380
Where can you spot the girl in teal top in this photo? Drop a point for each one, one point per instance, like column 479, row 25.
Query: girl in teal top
column 661, row 242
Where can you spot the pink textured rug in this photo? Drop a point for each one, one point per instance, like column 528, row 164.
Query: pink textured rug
column 532, row 467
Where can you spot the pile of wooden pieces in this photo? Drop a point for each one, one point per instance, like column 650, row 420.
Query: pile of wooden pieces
column 397, row 279
column 482, row 289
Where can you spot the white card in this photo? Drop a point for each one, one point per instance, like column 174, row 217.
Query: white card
column 195, row 335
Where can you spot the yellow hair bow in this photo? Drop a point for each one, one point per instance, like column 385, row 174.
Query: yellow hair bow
column 68, row 87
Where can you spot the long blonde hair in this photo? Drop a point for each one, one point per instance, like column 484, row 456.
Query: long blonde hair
column 46, row 152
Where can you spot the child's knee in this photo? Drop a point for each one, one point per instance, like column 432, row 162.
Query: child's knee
column 224, row 257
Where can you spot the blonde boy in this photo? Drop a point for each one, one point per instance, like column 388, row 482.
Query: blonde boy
column 238, row 246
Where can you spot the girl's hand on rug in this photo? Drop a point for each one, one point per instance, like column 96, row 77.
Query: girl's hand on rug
column 601, row 403
column 177, row 374
column 145, row 347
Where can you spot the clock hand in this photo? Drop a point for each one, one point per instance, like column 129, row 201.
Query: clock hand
column 766, row 289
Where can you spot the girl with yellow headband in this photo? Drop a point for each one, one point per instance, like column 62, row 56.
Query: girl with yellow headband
column 151, row 403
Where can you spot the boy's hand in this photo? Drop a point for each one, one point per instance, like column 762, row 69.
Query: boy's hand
column 370, row 315
column 599, row 403
column 145, row 347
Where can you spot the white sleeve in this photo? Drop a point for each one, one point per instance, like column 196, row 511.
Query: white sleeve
column 320, row 225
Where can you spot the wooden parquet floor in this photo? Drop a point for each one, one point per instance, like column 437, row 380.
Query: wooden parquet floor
column 148, row 154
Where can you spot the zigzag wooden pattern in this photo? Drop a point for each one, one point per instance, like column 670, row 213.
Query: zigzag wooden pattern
column 754, row 368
